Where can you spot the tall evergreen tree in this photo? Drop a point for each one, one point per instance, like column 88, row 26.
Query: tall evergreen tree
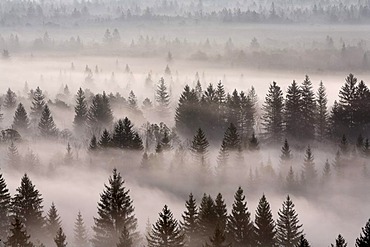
column 100, row 113
column 38, row 105
column 230, row 144
column 53, row 222
column 166, row 231
column 286, row 155
column 293, row 111
column 47, row 126
column 115, row 211
column 288, row 228
column 18, row 235
column 93, row 145
column 218, row 239
column 27, row 206
column 240, row 227
column 221, row 212
column 364, row 239
column 264, row 225
column 60, row 238
column 132, row 101
column 308, row 110
column 10, row 100
column 309, row 170
column 190, row 222
column 199, row 148
column 339, row 242
column 322, row 117
column 80, row 232
column 4, row 208
column 21, row 122
column 207, row 217
column 302, row 242
column 81, row 112
column 105, row 140
column 162, row 98
column 125, row 137
column 14, row 157
column 273, row 114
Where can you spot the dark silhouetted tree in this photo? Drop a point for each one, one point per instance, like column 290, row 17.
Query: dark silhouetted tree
column 18, row 235
column 207, row 217
column 81, row 112
column 218, row 239
column 302, row 242
column 100, row 114
column 190, row 222
column 105, row 140
column 308, row 110
column 162, row 98
column 4, row 208
column 364, row 239
column 53, row 222
column 199, row 148
column 322, row 117
column 60, row 238
column 309, row 170
column 21, row 122
column 80, row 232
column 221, row 212
column 264, row 225
column 47, row 126
column 339, row 242
column 38, row 105
column 293, row 111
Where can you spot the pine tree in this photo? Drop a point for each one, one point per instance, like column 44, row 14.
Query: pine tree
column 27, row 206
column 230, row 144
column 105, row 140
column 344, row 148
column 125, row 239
column 286, row 155
column 14, row 158
column 115, row 211
column 273, row 114
column 4, row 208
column 38, row 105
column 46, row 125
column 162, row 98
column 132, row 101
column 81, row 112
column 218, row 239
column 207, row 217
column 288, row 228
column 322, row 112
column 264, row 225
column 93, row 145
column 240, row 227
column 125, row 137
column 18, row 235
column 339, row 242
column 190, row 222
column 53, row 222
column 10, row 100
column 60, row 238
column 100, row 113
column 309, row 170
column 80, row 232
column 21, row 122
column 166, row 231
column 293, row 111
column 308, row 110
column 302, row 242
column 364, row 239
column 221, row 212
column 199, row 148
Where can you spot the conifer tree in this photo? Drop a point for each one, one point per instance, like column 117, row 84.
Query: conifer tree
column 199, row 148
column 10, row 100
column 81, row 112
column 322, row 112
column 4, row 208
column 308, row 110
column 221, row 212
column 327, row 171
column 100, row 113
column 286, row 155
column 364, row 239
column 132, row 101
column 21, row 122
column 264, row 225
column 125, row 137
column 93, row 145
column 293, row 111
column 230, row 144
column 14, row 158
column 207, row 217
column 218, row 239
column 302, row 242
column 60, row 238
column 125, row 239
column 288, row 230
column 68, row 158
column 27, row 206
column 115, row 211
column 240, row 227
column 162, row 98
column 105, row 140
column 339, row 242
column 46, row 125
column 273, row 114
column 309, row 170
column 38, row 105
column 253, row 143
column 80, row 232
column 290, row 179
column 190, row 222
column 53, row 222
column 166, row 231
column 18, row 235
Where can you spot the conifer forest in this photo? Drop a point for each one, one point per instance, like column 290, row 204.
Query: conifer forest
column 184, row 123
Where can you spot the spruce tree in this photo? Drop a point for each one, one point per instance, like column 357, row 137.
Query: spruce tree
column 162, row 98
column 38, row 105
column 125, row 239
column 80, row 232
column 18, row 235
column 100, row 113
column 293, row 111
column 21, row 122
column 221, row 212
column 240, row 227
column 10, row 100
column 132, row 101
column 4, row 208
column 273, row 114
column 230, row 144
column 60, row 238
column 27, row 206
column 218, row 239
column 264, row 225
column 207, row 217
column 105, row 140
column 166, row 231
column 93, row 145
column 125, row 137
column 14, row 158
column 81, row 112
column 53, row 222
column 115, row 211
column 339, row 242
column 286, row 155
column 288, row 229
column 322, row 112
column 327, row 171
column 364, row 239
column 308, row 110
column 189, row 225
column 199, row 148
column 47, row 126
column 302, row 242
column 309, row 170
